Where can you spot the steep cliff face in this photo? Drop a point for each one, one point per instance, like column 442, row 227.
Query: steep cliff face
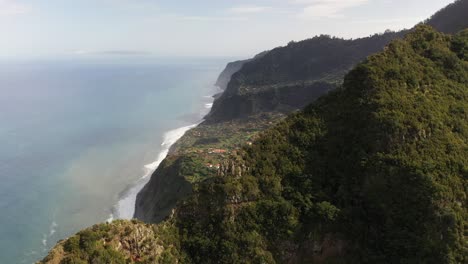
column 284, row 99
column 231, row 68
column 225, row 76
column 160, row 195
column 308, row 68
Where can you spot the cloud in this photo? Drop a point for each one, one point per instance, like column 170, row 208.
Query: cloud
column 181, row 17
column 11, row 8
column 248, row 9
column 316, row 9
column 113, row 52
column 125, row 52
column 80, row 52
column 134, row 4
column 208, row 18
column 391, row 21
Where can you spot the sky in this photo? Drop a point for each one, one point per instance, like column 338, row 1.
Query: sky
column 196, row 28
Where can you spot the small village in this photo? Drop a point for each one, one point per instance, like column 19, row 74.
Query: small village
column 213, row 148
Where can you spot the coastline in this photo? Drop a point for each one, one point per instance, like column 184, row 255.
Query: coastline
column 125, row 207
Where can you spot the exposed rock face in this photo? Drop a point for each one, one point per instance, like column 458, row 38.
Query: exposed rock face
column 116, row 242
column 232, row 168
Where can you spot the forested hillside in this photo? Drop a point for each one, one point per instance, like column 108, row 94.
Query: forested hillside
column 374, row 172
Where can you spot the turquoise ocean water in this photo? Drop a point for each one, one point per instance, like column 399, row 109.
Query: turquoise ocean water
column 76, row 138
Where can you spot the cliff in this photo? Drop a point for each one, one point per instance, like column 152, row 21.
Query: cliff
column 231, row 68
column 225, row 76
column 166, row 187
column 306, row 69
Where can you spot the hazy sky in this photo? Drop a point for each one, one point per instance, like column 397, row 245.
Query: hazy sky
column 48, row 28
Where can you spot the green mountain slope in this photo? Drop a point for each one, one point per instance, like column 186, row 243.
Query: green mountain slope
column 374, row 172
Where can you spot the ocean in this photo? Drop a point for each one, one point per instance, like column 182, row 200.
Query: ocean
column 79, row 138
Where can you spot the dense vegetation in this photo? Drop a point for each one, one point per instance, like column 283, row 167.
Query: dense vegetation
column 375, row 172
column 118, row 243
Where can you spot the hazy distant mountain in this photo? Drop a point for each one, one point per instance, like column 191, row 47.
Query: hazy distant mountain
column 452, row 18
column 231, row 68
column 287, row 78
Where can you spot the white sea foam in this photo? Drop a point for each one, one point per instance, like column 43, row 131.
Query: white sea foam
column 46, row 237
column 53, row 227
column 125, row 208
column 44, row 241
